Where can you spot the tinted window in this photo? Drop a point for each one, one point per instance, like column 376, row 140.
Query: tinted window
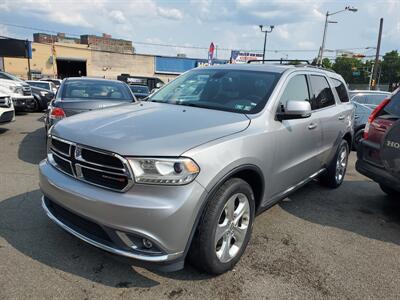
column 139, row 89
column 340, row 90
column 96, row 90
column 323, row 95
column 296, row 90
column 43, row 85
column 221, row 89
column 393, row 108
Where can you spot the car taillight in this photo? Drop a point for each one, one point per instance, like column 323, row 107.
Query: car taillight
column 57, row 113
column 373, row 116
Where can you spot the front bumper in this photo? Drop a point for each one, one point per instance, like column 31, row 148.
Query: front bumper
column 165, row 215
column 22, row 103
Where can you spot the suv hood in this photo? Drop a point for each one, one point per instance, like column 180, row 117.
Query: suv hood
column 149, row 129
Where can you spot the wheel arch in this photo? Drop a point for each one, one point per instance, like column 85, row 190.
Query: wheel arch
column 250, row 173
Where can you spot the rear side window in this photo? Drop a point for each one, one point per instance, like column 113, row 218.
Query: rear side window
column 296, row 90
column 340, row 90
column 322, row 92
column 393, row 108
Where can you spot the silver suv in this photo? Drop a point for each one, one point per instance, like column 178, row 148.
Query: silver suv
column 183, row 174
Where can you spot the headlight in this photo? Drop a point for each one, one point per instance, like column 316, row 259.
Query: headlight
column 169, row 171
column 43, row 93
column 16, row 89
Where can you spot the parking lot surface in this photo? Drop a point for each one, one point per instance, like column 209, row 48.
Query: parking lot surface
column 318, row 243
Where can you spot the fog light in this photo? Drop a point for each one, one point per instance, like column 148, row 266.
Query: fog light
column 147, row 243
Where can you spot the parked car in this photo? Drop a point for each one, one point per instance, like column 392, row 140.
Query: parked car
column 47, row 85
column 365, row 102
column 42, row 98
column 57, row 82
column 19, row 91
column 379, row 150
column 7, row 113
column 186, row 172
column 140, row 91
column 82, row 94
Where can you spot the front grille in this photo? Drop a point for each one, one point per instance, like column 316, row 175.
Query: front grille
column 27, row 93
column 78, row 223
column 100, row 158
column 98, row 167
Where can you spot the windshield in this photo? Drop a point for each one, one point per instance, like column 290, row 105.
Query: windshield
column 43, row 85
column 9, row 77
column 222, row 89
column 139, row 89
column 96, row 90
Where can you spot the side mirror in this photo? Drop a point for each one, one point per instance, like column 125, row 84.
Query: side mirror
column 295, row 110
column 159, row 85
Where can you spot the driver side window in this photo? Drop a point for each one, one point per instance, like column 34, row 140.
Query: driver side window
column 296, row 90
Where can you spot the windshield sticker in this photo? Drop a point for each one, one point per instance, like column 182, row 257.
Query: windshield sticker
column 239, row 106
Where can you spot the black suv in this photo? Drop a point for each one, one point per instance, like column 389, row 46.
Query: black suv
column 379, row 150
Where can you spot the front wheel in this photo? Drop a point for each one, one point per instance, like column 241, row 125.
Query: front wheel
column 225, row 228
column 334, row 175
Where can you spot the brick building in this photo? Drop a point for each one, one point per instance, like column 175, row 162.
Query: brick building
column 107, row 43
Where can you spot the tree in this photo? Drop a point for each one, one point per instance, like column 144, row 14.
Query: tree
column 390, row 68
column 348, row 67
column 326, row 63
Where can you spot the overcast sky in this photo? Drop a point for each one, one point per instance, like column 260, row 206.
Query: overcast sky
column 229, row 24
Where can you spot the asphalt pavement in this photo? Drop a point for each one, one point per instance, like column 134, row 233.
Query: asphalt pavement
column 318, row 243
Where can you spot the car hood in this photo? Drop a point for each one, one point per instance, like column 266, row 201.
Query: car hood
column 149, row 129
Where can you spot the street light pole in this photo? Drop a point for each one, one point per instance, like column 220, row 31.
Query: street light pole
column 328, row 14
column 266, row 31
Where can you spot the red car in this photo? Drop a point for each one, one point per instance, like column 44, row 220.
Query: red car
column 379, row 151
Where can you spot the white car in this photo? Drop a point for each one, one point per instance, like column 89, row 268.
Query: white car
column 19, row 91
column 7, row 112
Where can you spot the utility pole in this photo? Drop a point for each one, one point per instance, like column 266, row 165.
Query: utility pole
column 376, row 64
column 328, row 14
column 266, row 31
column 27, row 54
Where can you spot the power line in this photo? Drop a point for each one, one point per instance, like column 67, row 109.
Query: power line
column 191, row 47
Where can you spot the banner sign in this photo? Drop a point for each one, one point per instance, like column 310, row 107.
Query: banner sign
column 242, row 57
column 15, row 48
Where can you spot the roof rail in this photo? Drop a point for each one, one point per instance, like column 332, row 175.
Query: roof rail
column 281, row 61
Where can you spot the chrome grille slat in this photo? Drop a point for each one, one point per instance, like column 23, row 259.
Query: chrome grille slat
column 101, row 175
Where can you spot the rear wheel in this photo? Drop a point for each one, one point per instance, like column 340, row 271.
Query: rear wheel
column 225, row 228
column 389, row 191
column 336, row 171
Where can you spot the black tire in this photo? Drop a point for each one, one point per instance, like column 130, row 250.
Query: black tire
column 330, row 178
column 357, row 137
column 389, row 191
column 35, row 105
column 203, row 249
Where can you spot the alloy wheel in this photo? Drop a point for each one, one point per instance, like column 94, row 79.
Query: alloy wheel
column 341, row 164
column 232, row 227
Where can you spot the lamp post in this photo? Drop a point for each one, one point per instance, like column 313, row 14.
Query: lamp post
column 266, row 29
column 328, row 14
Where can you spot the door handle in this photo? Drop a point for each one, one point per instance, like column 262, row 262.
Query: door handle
column 312, row 126
column 341, row 117
column 356, row 116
